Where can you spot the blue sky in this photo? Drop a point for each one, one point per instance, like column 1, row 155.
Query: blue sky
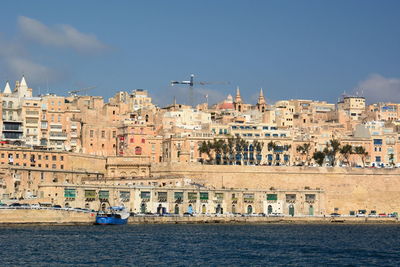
column 292, row 49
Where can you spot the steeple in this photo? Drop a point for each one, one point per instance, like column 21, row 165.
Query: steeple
column 261, row 99
column 238, row 98
column 261, row 104
column 23, row 82
column 7, row 89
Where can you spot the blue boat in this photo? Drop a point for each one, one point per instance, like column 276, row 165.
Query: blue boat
column 115, row 216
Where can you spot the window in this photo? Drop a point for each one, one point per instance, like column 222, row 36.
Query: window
column 138, row 150
column 103, row 134
column 114, row 134
column 91, row 133
column 54, row 158
column 132, row 140
column 46, row 157
column 53, row 166
column 377, row 141
column 143, row 140
column 61, row 158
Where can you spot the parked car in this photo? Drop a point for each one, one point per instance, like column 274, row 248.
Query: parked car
column 57, row 206
column 382, row 215
column 187, row 214
column 35, row 206
column 335, row 214
column 15, row 205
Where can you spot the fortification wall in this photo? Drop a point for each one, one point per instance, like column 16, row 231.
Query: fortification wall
column 347, row 189
column 45, row 216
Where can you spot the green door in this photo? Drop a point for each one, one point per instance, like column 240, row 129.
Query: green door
column 249, row 209
column 311, row 210
column 176, row 209
column 143, row 208
column 269, row 209
column 291, row 210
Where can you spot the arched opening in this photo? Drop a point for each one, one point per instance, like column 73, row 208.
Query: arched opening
column 103, row 206
column 203, row 209
column 291, row 210
column 218, row 209
column 249, row 209
column 269, row 209
column 87, row 206
column 190, row 209
column 138, row 150
column 67, row 205
column 176, row 210
column 143, row 208
column 311, row 210
column 233, row 209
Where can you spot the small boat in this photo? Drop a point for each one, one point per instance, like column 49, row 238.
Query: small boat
column 115, row 216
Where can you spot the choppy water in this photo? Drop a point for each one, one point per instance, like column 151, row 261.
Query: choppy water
column 201, row 245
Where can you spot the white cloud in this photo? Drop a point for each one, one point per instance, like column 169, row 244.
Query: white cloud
column 59, row 35
column 377, row 88
column 34, row 72
column 15, row 62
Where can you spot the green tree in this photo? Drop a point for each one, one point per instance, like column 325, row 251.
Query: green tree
column 257, row 148
column 231, row 149
column 272, row 146
column 346, row 151
column 217, row 146
column 304, row 149
column 331, row 150
column 206, row 148
column 361, row 152
column 319, row 157
column 391, row 159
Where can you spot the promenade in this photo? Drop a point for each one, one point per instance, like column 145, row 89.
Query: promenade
column 75, row 216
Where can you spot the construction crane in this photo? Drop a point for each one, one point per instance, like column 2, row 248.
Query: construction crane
column 191, row 83
column 74, row 92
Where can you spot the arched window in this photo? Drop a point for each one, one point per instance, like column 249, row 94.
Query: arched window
column 138, row 150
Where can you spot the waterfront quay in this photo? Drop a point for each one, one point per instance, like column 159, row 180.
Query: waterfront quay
column 71, row 216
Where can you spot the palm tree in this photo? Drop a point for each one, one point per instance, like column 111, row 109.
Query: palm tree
column 331, row 150
column 206, row 148
column 391, row 159
column 231, row 149
column 272, row 146
column 225, row 151
column 286, row 148
column 319, row 157
column 304, row 150
column 346, row 151
column 258, row 148
column 217, row 146
column 360, row 150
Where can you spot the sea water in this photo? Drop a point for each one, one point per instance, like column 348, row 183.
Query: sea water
column 201, row 245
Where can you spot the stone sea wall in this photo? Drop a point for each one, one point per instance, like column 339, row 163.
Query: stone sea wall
column 345, row 189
